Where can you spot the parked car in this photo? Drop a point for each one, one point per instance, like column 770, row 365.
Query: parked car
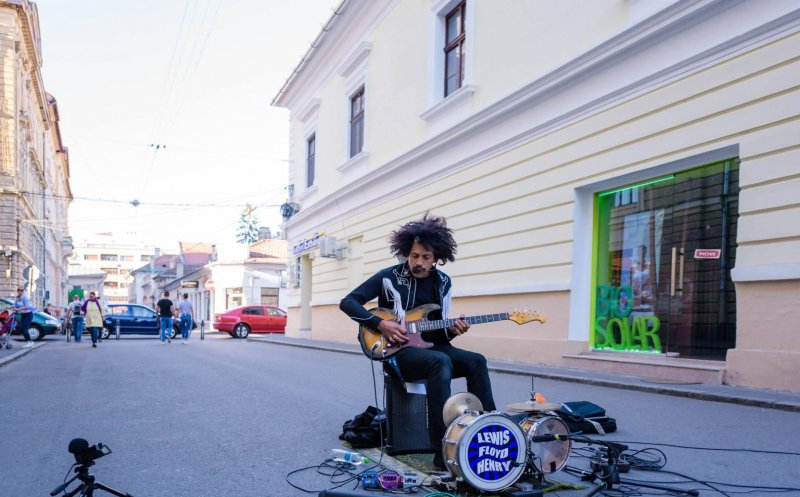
column 42, row 324
column 242, row 321
column 133, row 319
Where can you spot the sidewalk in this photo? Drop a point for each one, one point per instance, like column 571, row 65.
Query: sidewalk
column 10, row 355
column 769, row 399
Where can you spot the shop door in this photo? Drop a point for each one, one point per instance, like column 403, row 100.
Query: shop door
column 664, row 253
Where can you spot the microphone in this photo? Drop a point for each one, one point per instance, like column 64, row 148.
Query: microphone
column 548, row 438
column 77, row 445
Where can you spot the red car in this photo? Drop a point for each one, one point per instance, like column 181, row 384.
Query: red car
column 242, row 321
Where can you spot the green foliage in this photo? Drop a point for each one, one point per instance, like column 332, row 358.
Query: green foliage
column 248, row 226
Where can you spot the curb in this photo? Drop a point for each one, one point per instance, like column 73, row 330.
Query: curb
column 4, row 361
column 624, row 382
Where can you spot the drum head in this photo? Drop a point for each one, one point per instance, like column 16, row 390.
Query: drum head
column 548, row 457
column 490, row 451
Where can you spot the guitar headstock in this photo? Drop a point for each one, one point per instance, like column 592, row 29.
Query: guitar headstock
column 526, row 316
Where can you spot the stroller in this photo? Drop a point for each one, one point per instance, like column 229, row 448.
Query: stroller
column 8, row 322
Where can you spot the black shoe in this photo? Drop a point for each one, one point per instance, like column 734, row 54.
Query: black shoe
column 438, row 462
column 94, row 345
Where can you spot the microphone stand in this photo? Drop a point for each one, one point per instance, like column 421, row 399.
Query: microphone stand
column 607, row 481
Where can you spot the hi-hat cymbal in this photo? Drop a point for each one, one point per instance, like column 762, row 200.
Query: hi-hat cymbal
column 532, row 406
column 458, row 404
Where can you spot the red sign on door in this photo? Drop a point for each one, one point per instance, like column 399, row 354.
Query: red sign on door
column 707, row 253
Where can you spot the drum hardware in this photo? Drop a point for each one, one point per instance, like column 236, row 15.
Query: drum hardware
column 537, row 403
column 488, row 451
column 458, row 404
column 532, row 406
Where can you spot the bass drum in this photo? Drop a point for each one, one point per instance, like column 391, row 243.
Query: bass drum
column 547, row 457
column 487, row 450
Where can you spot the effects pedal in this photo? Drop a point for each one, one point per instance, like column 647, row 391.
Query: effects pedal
column 369, row 480
column 598, row 464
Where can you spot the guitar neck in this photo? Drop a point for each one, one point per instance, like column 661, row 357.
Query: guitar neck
column 447, row 323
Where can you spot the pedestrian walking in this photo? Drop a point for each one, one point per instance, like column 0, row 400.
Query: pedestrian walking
column 22, row 305
column 93, row 313
column 75, row 317
column 166, row 311
column 186, row 311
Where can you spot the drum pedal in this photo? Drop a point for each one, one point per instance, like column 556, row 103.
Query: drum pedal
column 522, row 490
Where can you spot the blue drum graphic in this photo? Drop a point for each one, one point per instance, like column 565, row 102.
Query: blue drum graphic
column 488, row 451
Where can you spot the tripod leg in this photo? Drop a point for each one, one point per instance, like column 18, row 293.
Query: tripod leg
column 110, row 490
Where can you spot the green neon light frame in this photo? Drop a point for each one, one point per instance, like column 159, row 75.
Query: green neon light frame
column 659, row 180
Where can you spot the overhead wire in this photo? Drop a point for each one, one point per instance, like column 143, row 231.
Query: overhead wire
column 183, row 65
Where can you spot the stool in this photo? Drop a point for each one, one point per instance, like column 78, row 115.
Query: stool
column 406, row 417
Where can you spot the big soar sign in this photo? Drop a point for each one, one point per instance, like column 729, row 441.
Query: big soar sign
column 492, row 452
column 613, row 326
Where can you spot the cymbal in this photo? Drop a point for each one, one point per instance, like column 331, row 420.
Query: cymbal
column 458, row 404
column 531, row 406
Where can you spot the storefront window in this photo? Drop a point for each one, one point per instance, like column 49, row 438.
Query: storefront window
column 664, row 250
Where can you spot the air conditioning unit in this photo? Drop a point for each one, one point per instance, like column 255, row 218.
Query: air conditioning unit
column 327, row 246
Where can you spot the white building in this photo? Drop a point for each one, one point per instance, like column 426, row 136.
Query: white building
column 627, row 167
column 116, row 258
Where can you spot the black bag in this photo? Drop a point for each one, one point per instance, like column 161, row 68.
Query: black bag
column 585, row 417
column 364, row 430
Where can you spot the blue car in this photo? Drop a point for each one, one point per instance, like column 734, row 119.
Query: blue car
column 133, row 319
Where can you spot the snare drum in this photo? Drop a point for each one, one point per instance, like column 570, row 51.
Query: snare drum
column 547, row 457
column 485, row 450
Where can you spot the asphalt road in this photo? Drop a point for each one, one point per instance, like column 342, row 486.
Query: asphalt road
column 226, row 417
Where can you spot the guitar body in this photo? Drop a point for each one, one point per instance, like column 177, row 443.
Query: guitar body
column 374, row 344
column 377, row 347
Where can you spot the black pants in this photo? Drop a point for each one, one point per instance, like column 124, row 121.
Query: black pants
column 437, row 366
column 25, row 319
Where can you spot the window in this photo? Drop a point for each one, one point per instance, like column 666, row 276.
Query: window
column 311, row 154
column 109, row 270
column 90, row 257
column 357, row 122
column 119, row 310
column 142, row 312
column 269, row 296
column 253, row 311
column 233, row 297
column 454, row 46
column 108, row 257
column 126, row 258
column 668, row 239
column 277, row 312
column 146, row 258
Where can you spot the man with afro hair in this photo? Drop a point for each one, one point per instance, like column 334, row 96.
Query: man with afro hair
column 421, row 245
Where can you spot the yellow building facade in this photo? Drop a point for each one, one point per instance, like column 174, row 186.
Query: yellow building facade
column 628, row 168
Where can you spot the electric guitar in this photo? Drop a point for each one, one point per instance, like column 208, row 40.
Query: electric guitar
column 377, row 347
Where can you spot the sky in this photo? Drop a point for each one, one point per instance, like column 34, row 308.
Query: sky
column 166, row 103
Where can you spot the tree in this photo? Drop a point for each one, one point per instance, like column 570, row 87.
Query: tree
column 248, row 226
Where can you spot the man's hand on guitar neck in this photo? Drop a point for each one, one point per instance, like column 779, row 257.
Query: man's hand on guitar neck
column 393, row 331
column 459, row 328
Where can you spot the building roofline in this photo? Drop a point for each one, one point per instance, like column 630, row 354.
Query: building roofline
column 278, row 98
